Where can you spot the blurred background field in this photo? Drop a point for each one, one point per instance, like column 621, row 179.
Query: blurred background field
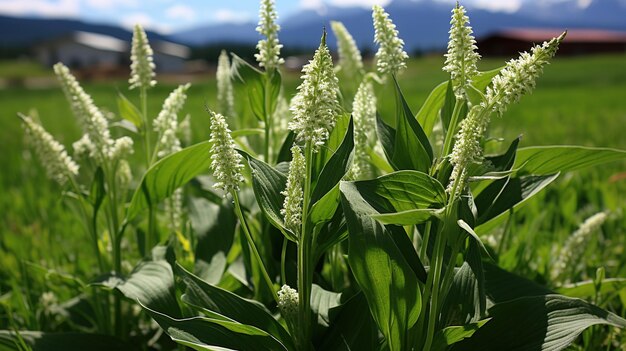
column 579, row 100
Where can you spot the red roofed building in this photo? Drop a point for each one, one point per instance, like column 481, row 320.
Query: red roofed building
column 511, row 42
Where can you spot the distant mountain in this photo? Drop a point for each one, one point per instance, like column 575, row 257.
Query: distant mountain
column 24, row 32
column 423, row 24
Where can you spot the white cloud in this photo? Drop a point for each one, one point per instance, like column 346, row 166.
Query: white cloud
column 112, row 4
column 180, row 12
column 46, row 8
column 509, row 6
column 359, row 3
column 226, row 15
column 146, row 21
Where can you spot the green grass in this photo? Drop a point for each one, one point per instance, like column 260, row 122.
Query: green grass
column 578, row 101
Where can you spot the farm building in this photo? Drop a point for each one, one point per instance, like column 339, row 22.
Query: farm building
column 511, row 42
column 82, row 50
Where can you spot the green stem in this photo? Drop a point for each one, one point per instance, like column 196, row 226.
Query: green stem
column 283, row 257
column 146, row 124
column 252, row 245
column 268, row 116
column 425, row 239
column 432, row 291
column 454, row 120
column 305, row 273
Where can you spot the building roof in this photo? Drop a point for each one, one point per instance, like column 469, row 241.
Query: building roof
column 100, row 41
column 573, row 36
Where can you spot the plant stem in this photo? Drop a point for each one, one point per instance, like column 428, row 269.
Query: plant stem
column 146, row 124
column 252, row 245
column 432, row 291
column 283, row 257
column 268, row 116
column 305, row 274
column 447, row 147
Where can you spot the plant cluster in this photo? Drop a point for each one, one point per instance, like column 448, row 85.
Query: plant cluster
column 323, row 225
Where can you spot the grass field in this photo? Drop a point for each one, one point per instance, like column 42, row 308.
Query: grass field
column 579, row 101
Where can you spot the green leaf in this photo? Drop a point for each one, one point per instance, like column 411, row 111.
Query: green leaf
column 246, row 131
column 453, row 334
column 428, row 113
column 402, row 191
column 381, row 270
column 128, row 111
column 408, row 217
column 447, row 107
column 336, row 167
column 546, row 323
column 219, row 303
column 214, row 227
column 254, row 82
column 152, row 283
column 40, row 341
column 202, row 333
column 587, row 289
column 541, row 160
column 502, row 286
column 324, row 209
column 322, row 301
column 483, row 79
column 267, row 184
column 412, row 149
column 168, row 174
column 504, row 194
column 386, row 135
column 352, row 327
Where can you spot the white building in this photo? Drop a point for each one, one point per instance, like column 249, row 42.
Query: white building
column 88, row 50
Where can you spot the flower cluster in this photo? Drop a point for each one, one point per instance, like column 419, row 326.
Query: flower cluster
column 364, row 115
column 225, row 97
column 269, row 48
column 58, row 164
column 576, row 244
column 97, row 138
column 288, row 305
column 350, row 60
column 166, row 123
column 516, row 79
column 142, row 65
column 226, row 162
column 316, row 104
column 292, row 206
column 390, row 57
column 462, row 57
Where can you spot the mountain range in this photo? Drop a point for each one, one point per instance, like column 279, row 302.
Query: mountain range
column 423, row 24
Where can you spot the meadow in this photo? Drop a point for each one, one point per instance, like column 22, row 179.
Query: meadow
column 578, row 101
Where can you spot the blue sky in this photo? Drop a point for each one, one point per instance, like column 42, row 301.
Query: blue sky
column 169, row 16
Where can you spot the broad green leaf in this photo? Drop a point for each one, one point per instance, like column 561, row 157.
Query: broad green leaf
column 254, row 82
column 453, row 334
column 152, row 283
column 505, row 161
column 483, row 79
column 336, row 167
column 214, row 227
column 412, row 149
column 503, row 194
column 545, row 322
column 428, row 113
column 385, row 277
column 321, row 303
column 219, row 303
column 98, row 191
column 128, row 111
column 587, row 289
column 352, row 327
column 541, row 160
column 402, row 191
column 168, row 174
column 502, row 286
column 447, row 107
column 336, row 139
column 324, row 209
column 205, row 334
column 474, row 96
column 268, row 183
column 387, row 137
column 408, row 217
column 70, row 341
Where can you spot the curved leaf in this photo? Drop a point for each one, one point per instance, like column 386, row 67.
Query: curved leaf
column 428, row 113
column 322, row 301
column 541, row 160
column 168, row 174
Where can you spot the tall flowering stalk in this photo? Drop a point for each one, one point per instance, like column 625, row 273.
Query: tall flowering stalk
column 462, row 57
column 58, row 164
column 315, row 106
column 292, row 206
column 390, row 57
column 269, row 48
column 364, row 116
column 515, row 80
column 227, row 167
column 350, row 60
column 225, row 97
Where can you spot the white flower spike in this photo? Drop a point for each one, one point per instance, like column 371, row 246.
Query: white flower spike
column 390, row 57
column 364, row 115
column 226, row 161
column 58, row 164
column 316, row 105
column 166, row 123
column 350, row 60
column 225, row 97
column 142, row 64
column 294, row 194
column 462, row 57
column 269, row 48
